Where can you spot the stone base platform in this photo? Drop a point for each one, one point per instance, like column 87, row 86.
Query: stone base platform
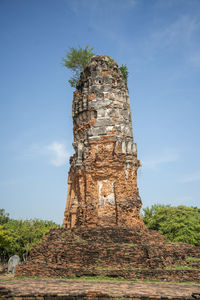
column 43, row 289
column 134, row 253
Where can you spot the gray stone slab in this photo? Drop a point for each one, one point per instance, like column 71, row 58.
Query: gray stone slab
column 12, row 263
column 97, row 131
column 103, row 122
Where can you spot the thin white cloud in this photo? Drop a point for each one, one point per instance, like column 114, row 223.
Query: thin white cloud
column 179, row 36
column 102, row 10
column 58, row 153
column 94, row 6
column 133, row 2
column 55, row 153
column 181, row 32
column 191, row 177
column 167, row 156
column 10, row 182
column 183, row 199
column 195, row 59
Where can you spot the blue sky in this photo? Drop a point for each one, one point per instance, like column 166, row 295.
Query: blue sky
column 159, row 40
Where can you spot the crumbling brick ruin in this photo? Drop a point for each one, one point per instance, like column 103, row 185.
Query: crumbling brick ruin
column 102, row 184
column 103, row 233
column 131, row 253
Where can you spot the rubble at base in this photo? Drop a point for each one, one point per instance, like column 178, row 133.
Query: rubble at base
column 113, row 252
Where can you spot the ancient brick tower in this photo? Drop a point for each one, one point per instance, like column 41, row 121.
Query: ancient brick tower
column 103, row 191
column 102, row 182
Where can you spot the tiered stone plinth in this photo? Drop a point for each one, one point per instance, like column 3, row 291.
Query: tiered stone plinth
column 111, row 251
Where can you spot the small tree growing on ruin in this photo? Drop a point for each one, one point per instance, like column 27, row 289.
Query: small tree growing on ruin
column 76, row 60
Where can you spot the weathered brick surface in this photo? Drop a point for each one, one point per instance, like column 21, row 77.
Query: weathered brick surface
column 132, row 253
column 32, row 289
column 102, row 183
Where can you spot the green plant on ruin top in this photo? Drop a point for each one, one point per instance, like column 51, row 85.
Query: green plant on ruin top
column 124, row 71
column 77, row 59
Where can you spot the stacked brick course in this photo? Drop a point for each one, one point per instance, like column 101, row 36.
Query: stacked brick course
column 109, row 251
column 59, row 289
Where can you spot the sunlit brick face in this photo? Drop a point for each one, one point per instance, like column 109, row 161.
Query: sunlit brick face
column 102, row 182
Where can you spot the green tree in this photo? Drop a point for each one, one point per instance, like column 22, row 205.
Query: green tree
column 25, row 234
column 180, row 224
column 5, row 242
column 76, row 60
column 4, row 217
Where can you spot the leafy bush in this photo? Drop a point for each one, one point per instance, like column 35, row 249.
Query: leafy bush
column 19, row 236
column 177, row 224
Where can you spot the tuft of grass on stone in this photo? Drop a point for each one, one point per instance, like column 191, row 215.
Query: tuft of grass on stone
column 177, row 267
column 192, row 259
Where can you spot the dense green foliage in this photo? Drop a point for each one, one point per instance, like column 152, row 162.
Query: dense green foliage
column 5, row 242
column 180, row 224
column 4, row 217
column 76, row 60
column 19, row 236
